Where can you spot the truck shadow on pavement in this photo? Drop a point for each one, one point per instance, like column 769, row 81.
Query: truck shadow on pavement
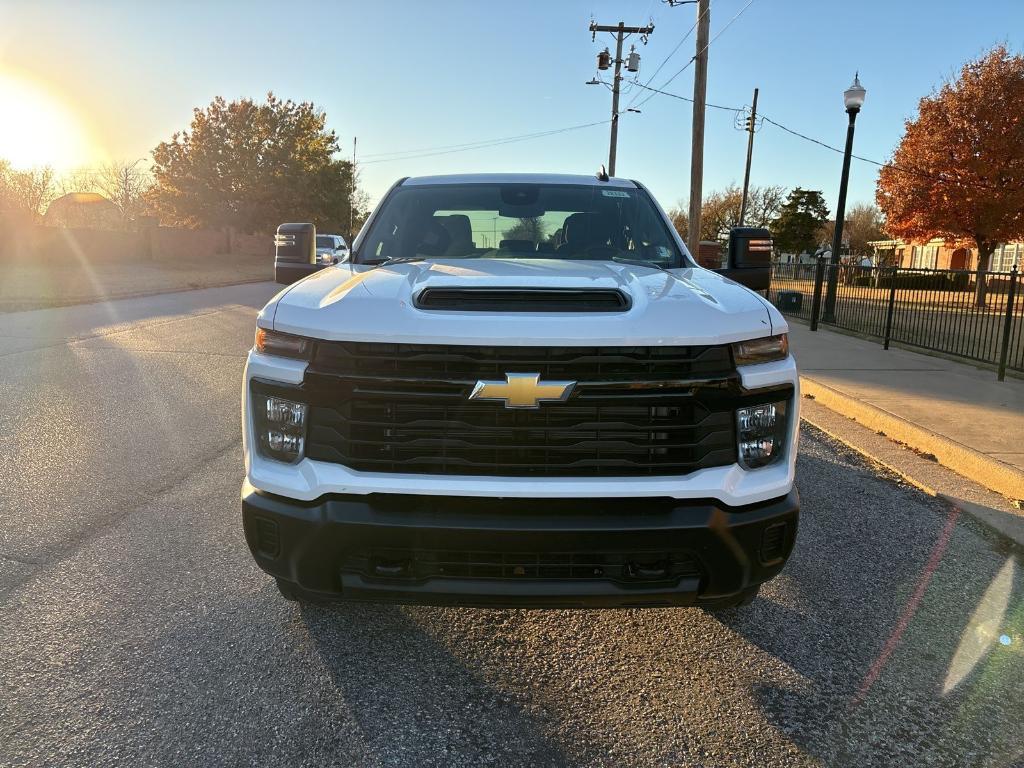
column 900, row 615
column 415, row 703
column 867, row 650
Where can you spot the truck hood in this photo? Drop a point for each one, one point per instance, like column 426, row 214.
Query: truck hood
column 364, row 303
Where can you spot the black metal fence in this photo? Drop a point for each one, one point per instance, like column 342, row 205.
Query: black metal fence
column 933, row 309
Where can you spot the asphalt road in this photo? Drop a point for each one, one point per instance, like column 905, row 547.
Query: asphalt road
column 136, row 630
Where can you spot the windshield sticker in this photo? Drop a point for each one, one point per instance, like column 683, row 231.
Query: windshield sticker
column 614, row 193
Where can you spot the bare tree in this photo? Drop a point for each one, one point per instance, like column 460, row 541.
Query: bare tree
column 764, row 204
column 862, row 224
column 126, row 185
column 78, row 180
column 679, row 214
column 720, row 210
column 26, row 192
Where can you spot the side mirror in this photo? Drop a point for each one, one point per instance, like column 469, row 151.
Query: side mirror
column 750, row 257
column 294, row 252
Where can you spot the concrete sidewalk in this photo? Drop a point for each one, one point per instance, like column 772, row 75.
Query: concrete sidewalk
column 959, row 414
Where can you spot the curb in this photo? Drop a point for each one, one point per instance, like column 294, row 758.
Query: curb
column 991, row 473
column 987, row 507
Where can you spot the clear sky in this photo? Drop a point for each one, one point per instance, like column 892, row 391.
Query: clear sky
column 109, row 80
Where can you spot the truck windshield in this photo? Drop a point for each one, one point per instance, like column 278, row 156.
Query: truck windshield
column 520, row 221
column 324, row 241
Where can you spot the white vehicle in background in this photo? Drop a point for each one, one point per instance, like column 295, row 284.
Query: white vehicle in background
column 521, row 390
column 331, row 249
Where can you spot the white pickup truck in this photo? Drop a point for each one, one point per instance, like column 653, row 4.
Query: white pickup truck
column 522, row 390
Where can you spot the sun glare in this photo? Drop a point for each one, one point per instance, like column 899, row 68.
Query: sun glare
column 38, row 129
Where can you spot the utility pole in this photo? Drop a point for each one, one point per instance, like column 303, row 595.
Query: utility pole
column 604, row 61
column 751, row 125
column 700, row 90
column 352, row 196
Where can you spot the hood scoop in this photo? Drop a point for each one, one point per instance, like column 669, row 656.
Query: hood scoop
column 458, row 299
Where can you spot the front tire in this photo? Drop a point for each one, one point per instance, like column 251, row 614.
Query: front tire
column 744, row 598
column 288, row 590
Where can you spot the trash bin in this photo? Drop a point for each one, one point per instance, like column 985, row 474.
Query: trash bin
column 789, row 301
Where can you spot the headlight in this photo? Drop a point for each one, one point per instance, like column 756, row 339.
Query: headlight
column 765, row 350
column 761, row 433
column 282, row 344
column 280, row 427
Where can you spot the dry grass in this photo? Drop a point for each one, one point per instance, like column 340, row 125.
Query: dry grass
column 36, row 285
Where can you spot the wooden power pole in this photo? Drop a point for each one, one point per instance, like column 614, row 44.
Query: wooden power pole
column 700, row 90
column 621, row 32
column 751, row 127
column 351, row 196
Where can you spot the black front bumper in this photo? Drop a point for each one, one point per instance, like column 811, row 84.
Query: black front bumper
column 518, row 552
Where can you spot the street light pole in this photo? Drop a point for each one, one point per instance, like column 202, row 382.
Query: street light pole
column 854, row 99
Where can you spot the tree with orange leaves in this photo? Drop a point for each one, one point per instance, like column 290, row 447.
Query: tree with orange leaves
column 958, row 172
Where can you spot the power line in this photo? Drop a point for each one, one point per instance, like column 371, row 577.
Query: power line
column 837, row 150
column 663, row 62
column 453, row 148
column 702, row 50
column 678, row 46
column 740, row 110
column 471, row 144
column 944, row 179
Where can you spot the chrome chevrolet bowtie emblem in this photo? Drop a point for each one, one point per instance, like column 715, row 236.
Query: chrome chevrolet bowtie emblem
column 522, row 390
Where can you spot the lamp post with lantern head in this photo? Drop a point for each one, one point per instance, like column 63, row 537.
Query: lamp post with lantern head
column 854, row 100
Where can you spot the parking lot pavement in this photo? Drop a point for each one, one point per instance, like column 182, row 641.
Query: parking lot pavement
column 135, row 628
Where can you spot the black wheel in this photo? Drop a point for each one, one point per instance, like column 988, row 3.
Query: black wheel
column 746, row 597
column 288, row 590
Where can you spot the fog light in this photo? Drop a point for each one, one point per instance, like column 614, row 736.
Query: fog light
column 280, row 427
column 761, row 433
column 284, row 442
column 285, row 412
column 758, row 418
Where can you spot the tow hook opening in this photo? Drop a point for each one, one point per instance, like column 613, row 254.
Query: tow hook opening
column 646, row 571
column 391, row 569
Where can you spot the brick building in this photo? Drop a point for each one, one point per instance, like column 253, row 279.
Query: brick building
column 938, row 254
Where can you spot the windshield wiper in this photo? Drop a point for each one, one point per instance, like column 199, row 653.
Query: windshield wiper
column 400, row 260
column 640, row 263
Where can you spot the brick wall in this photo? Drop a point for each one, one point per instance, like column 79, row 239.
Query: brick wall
column 710, row 254
column 49, row 244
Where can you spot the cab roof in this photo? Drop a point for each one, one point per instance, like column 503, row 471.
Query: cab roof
column 518, row 178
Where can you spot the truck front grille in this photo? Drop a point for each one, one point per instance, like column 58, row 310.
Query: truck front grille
column 634, row 411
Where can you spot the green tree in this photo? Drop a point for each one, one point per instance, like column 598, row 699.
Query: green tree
column 798, row 225
column 252, row 166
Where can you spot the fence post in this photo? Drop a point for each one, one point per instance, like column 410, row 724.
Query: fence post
column 1008, row 323
column 891, row 308
column 819, row 274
